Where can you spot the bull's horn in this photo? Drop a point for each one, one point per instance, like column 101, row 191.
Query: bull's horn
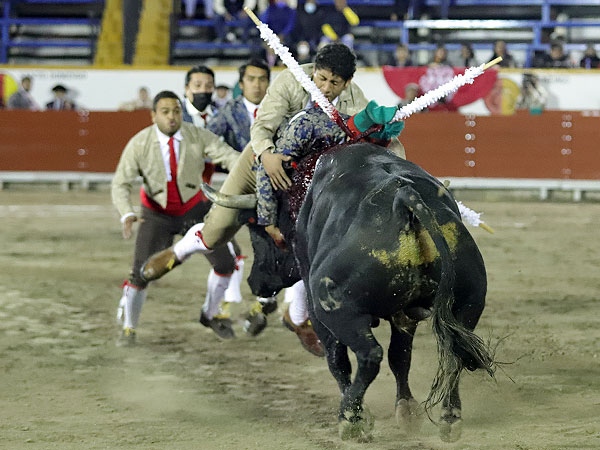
column 247, row 201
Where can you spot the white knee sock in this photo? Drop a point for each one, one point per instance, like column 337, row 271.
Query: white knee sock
column 296, row 296
column 134, row 300
column 190, row 244
column 215, row 291
column 233, row 294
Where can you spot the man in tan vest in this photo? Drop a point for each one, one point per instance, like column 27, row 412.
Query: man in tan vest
column 169, row 156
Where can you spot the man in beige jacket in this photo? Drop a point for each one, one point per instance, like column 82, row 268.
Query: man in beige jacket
column 169, row 156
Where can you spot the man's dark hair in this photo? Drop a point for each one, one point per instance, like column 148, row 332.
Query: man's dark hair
column 255, row 62
column 26, row 78
column 164, row 94
column 338, row 59
column 198, row 69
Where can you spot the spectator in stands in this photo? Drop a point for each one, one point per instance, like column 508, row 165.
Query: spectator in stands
column 411, row 91
column 191, row 5
column 143, row 101
column 440, row 57
column 199, row 88
column 22, row 99
column 221, row 96
column 500, row 50
column 339, row 21
column 234, row 120
column 590, row 59
column 467, row 56
column 303, row 53
column 556, row 59
column 281, row 18
column 61, row 100
column 445, row 8
column 309, row 20
column 228, row 10
column 402, row 57
column 533, row 96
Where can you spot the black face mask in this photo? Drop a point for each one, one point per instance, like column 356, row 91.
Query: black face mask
column 202, row 100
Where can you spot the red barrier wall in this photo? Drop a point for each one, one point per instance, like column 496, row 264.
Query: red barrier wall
column 555, row 144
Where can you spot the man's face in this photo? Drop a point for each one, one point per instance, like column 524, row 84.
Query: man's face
column 26, row 83
column 167, row 116
column 200, row 83
column 254, row 84
column 556, row 52
column 329, row 84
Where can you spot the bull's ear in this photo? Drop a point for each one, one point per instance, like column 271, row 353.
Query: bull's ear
column 247, row 201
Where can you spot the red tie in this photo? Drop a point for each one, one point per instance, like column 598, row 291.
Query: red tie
column 255, row 110
column 172, row 159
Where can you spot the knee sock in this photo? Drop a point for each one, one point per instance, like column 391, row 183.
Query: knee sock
column 134, row 300
column 215, row 291
column 190, row 243
column 296, row 296
column 233, row 292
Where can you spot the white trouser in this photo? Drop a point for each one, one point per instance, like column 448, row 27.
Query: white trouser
column 132, row 301
column 296, row 297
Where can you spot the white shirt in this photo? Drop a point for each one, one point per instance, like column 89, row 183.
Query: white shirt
column 163, row 140
column 250, row 107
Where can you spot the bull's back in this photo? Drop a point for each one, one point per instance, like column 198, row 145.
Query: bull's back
column 365, row 245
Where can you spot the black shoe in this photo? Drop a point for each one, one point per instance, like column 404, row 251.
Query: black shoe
column 269, row 305
column 256, row 321
column 221, row 326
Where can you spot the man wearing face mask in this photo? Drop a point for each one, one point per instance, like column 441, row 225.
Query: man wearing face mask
column 199, row 87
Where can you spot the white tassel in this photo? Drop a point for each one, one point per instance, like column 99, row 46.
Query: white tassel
column 438, row 93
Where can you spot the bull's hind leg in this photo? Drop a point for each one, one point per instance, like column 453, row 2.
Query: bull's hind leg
column 450, row 426
column 337, row 356
column 409, row 413
column 355, row 422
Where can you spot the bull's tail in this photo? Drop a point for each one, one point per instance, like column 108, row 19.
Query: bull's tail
column 458, row 347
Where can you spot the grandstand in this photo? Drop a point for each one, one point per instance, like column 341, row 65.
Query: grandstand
column 67, row 31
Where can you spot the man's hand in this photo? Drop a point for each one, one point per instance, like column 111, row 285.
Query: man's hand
column 273, row 164
column 276, row 235
column 128, row 226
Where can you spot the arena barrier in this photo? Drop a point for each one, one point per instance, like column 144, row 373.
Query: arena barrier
column 553, row 151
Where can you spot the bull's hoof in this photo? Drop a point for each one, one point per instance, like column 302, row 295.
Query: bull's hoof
column 357, row 426
column 450, row 425
column 409, row 416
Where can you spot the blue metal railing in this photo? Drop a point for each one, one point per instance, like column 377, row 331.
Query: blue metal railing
column 6, row 21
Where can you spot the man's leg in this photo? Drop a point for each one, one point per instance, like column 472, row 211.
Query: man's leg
column 154, row 234
column 295, row 318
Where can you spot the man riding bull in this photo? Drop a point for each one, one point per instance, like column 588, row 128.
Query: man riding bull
column 332, row 72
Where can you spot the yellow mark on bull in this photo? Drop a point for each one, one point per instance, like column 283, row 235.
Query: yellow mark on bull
column 415, row 249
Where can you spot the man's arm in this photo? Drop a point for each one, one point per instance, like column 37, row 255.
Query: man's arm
column 217, row 150
column 121, row 187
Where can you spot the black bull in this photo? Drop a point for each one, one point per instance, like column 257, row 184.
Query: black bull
column 378, row 237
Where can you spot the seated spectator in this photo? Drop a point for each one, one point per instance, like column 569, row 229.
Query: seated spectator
column 143, row 101
column 22, row 99
column 590, row 59
column 281, row 19
column 440, row 57
column 402, row 57
column 303, row 53
column 228, row 10
column 556, row 59
column 500, row 50
column 339, row 21
column 467, row 57
column 221, row 96
column 533, row 96
column 309, row 19
column 61, row 101
column 411, row 92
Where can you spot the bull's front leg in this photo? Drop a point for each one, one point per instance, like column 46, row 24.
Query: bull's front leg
column 409, row 413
